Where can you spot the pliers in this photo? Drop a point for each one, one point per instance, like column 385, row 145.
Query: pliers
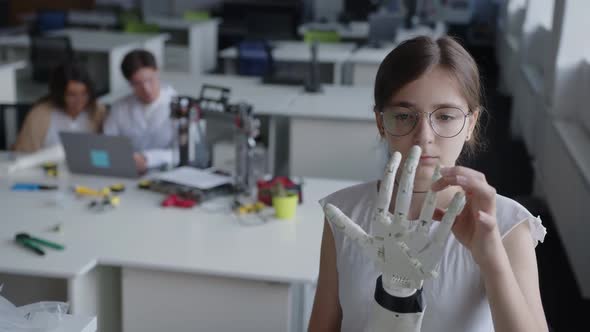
column 35, row 244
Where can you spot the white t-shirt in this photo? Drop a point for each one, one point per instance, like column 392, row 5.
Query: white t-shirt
column 60, row 121
column 148, row 126
column 455, row 301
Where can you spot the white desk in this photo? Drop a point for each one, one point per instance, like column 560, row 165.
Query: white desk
column 202, row 40
column 114, row 45
column 439, row 30
column 365, row 62
column 333, row 135
column 176, row 269
column 92, row 18
column 334, row 54
column 8, row 79
column 8, row 95
column 355, row 30
column 70, row 323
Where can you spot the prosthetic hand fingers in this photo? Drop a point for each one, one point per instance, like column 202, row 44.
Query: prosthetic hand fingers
column 444, row 230
column 386, row 189
column 350, row 228
column 406, row 185
column 429, row 205
column 429, row 256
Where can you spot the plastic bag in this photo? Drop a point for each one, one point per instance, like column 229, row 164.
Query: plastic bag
column 35, row 317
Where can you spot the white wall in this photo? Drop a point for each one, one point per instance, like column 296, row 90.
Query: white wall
column 564, row 169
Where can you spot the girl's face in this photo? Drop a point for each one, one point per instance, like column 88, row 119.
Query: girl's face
column 436, row 90
column 76, row 97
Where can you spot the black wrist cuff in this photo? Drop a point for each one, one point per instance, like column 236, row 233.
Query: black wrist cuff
column 403, row 305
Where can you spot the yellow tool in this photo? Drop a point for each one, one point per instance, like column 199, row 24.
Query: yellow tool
column 50, row 169
column 250, row 208
column 87, row 191
column 144, row 184
column 117, row 188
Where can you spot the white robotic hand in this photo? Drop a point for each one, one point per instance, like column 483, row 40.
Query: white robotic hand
column 406, row 255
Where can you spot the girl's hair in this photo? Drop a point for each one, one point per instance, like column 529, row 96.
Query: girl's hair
column 60, row 78
column 414, row 57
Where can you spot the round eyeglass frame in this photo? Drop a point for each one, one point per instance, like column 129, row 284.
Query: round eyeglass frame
column 465, row 115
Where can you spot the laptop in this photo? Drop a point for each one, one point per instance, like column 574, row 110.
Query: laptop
column 99, row 154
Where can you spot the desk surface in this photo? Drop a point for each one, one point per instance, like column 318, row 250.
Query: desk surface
column 170, row 22
column 335, row 102
column 439, row 30
column 92, row 17
column 298, row 51
column 371, row 55
column 140, row 234
column 77, row 323
column 88, row 40
column 13, row 65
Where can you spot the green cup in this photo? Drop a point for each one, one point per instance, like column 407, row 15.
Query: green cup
column 285, row 207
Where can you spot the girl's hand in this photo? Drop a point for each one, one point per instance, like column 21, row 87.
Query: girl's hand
column 475, row 227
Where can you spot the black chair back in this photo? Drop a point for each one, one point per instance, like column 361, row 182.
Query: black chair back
column 47, row 52
column 8, row 135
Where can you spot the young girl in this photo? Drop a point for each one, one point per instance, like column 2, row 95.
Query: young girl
column 487, row 274
column 70, row 106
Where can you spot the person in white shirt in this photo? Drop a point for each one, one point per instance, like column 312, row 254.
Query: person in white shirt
column 144, row 115
column 427, row 93
column 70, row 106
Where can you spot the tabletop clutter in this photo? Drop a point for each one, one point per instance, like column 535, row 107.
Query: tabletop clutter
column 275, row 197
column 280, row 193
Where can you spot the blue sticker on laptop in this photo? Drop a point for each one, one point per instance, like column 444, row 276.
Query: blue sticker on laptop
column 100, row 159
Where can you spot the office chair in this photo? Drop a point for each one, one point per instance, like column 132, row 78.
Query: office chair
column 48, row 52
column 258, row 23
column 383, row 27
column 22, row 109
column 255, row 58
column 47, row 20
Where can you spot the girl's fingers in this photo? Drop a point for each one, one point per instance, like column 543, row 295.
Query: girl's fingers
column 461, row 170
column 486, row 219
column 471, row 181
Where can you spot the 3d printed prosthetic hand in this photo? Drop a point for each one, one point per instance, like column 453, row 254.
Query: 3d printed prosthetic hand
column 403, row 251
